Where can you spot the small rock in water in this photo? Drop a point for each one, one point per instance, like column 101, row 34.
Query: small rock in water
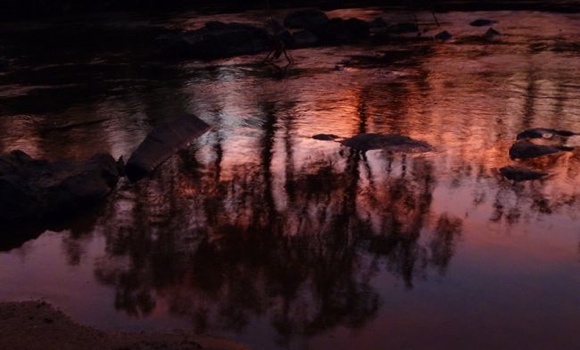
column 525, row 149
column 443, row 36
column 545, row 133
column 481, row 22
column 491, row 33
column 517, row 173
column 325, row 137
column 389, row 142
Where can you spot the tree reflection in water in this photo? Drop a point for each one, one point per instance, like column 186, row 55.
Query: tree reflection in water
column 223, row 246
column 514, row 202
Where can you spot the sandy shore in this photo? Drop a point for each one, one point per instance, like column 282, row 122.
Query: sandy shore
column 35, row 325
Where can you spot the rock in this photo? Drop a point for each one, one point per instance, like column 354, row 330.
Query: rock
column 544, row 133
column 389, row 142
column 482, row 22
column 310, row 19
column 339, row 31
column 162, row 142
column 33, row 189
column 217, row 40
column 491, row 33
column 325, row 137
column 443, row 36
column 525, row 149
column 518, row 173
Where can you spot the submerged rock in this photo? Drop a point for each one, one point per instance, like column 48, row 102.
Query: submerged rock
column 525, row 149
column 482, row 22
column 389, row 142
column 34, row 189
column 491, row 33
column 518, row 173
column 443, row 36
column 162, row 142
column 325, row 137
column 545, row 133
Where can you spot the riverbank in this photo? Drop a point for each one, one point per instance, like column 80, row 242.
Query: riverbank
column 35, row 325
column 12, row 9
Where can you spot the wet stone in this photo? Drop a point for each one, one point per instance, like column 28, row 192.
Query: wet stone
column 482, row 22
column 389, row 142
column 518, row 173
column 325, row 137
column 491, row 33
column 524, row 149
column 443, row 36
column 35, row 189
column 545, row 133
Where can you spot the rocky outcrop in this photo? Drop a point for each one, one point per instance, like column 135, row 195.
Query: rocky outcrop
column 216, row 40
column 34, row 189
column 221, row 40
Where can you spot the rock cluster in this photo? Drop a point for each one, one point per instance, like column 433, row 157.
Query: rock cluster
column 301, row 28
column 534, row 143
column 34, row 189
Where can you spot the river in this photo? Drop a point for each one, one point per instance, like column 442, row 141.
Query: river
column 259, row 233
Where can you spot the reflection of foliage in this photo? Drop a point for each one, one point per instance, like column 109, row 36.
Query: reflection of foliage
column 443, row 243
column 233, row 249
column 539, row 197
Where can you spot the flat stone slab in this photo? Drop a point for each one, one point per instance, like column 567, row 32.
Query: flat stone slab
column 162, row 142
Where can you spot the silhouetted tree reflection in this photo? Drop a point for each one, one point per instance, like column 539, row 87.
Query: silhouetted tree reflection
column 514, row 202
column 224, row 249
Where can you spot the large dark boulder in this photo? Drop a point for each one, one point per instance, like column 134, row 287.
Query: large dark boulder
column 216, row 40
column 310, row 19
column 34, row 189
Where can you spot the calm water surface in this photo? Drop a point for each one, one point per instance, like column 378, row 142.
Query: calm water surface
column 259, row 233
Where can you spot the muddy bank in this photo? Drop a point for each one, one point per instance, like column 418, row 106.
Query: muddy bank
column 37, row 325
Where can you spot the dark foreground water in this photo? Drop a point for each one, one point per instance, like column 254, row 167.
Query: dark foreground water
column 259, row 233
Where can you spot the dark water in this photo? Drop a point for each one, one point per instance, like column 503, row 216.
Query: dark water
column 259, row 233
